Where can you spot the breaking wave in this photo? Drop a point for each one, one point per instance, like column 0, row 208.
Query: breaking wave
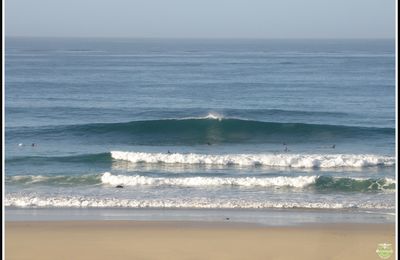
column 271, row 160
column 326, row 183
column 316, row 182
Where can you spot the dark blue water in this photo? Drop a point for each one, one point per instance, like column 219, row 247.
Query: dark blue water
column 200, row 123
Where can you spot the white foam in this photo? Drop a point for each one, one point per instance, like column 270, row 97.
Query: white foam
column 389, row 181
column 212, row 115
column 271, row 160
column 137, row 180
column 28, row 179
column 34, row 201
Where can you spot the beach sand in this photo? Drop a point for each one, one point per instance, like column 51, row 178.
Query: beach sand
column 119, row 240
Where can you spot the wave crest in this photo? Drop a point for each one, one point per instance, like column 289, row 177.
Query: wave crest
column 212, row 129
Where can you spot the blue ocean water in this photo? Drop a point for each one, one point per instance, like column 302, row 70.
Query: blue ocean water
column 216, row 124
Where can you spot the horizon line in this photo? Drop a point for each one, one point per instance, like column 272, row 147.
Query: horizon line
column 203, row 38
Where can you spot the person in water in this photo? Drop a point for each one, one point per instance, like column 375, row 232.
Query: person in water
column 168, row 152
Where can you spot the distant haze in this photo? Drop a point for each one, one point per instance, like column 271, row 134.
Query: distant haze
column 201, row 18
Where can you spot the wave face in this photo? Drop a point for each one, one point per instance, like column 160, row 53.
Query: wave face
column 207, row 130
column 271, row 160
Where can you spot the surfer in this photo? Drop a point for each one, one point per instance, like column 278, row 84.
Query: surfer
column 333, row 146
column 33, row 144
column 168, row 152
column 286, row 148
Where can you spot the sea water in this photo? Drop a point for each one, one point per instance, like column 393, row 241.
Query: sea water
column 215, row 125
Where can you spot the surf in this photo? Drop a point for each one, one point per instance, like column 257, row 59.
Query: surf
column 327, row 183
column 266, row 160
column 41, row 201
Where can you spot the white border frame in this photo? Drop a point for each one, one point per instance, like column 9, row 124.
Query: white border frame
column 3, row 125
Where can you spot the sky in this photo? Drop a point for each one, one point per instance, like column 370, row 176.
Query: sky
column 201, row 18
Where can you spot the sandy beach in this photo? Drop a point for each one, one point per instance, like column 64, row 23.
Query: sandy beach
column 191, row 240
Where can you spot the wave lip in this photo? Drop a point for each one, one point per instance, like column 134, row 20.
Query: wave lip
column 212, row 115
column 271, row 160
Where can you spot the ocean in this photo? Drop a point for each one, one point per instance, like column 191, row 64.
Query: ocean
column 188, row 128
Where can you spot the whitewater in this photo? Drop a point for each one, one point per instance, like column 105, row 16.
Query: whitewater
column 273, row 160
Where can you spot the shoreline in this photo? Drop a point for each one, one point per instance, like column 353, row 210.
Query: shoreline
column 191, row 240
column 262, row 217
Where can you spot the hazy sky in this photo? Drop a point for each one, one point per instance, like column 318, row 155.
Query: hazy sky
column 202, row 18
